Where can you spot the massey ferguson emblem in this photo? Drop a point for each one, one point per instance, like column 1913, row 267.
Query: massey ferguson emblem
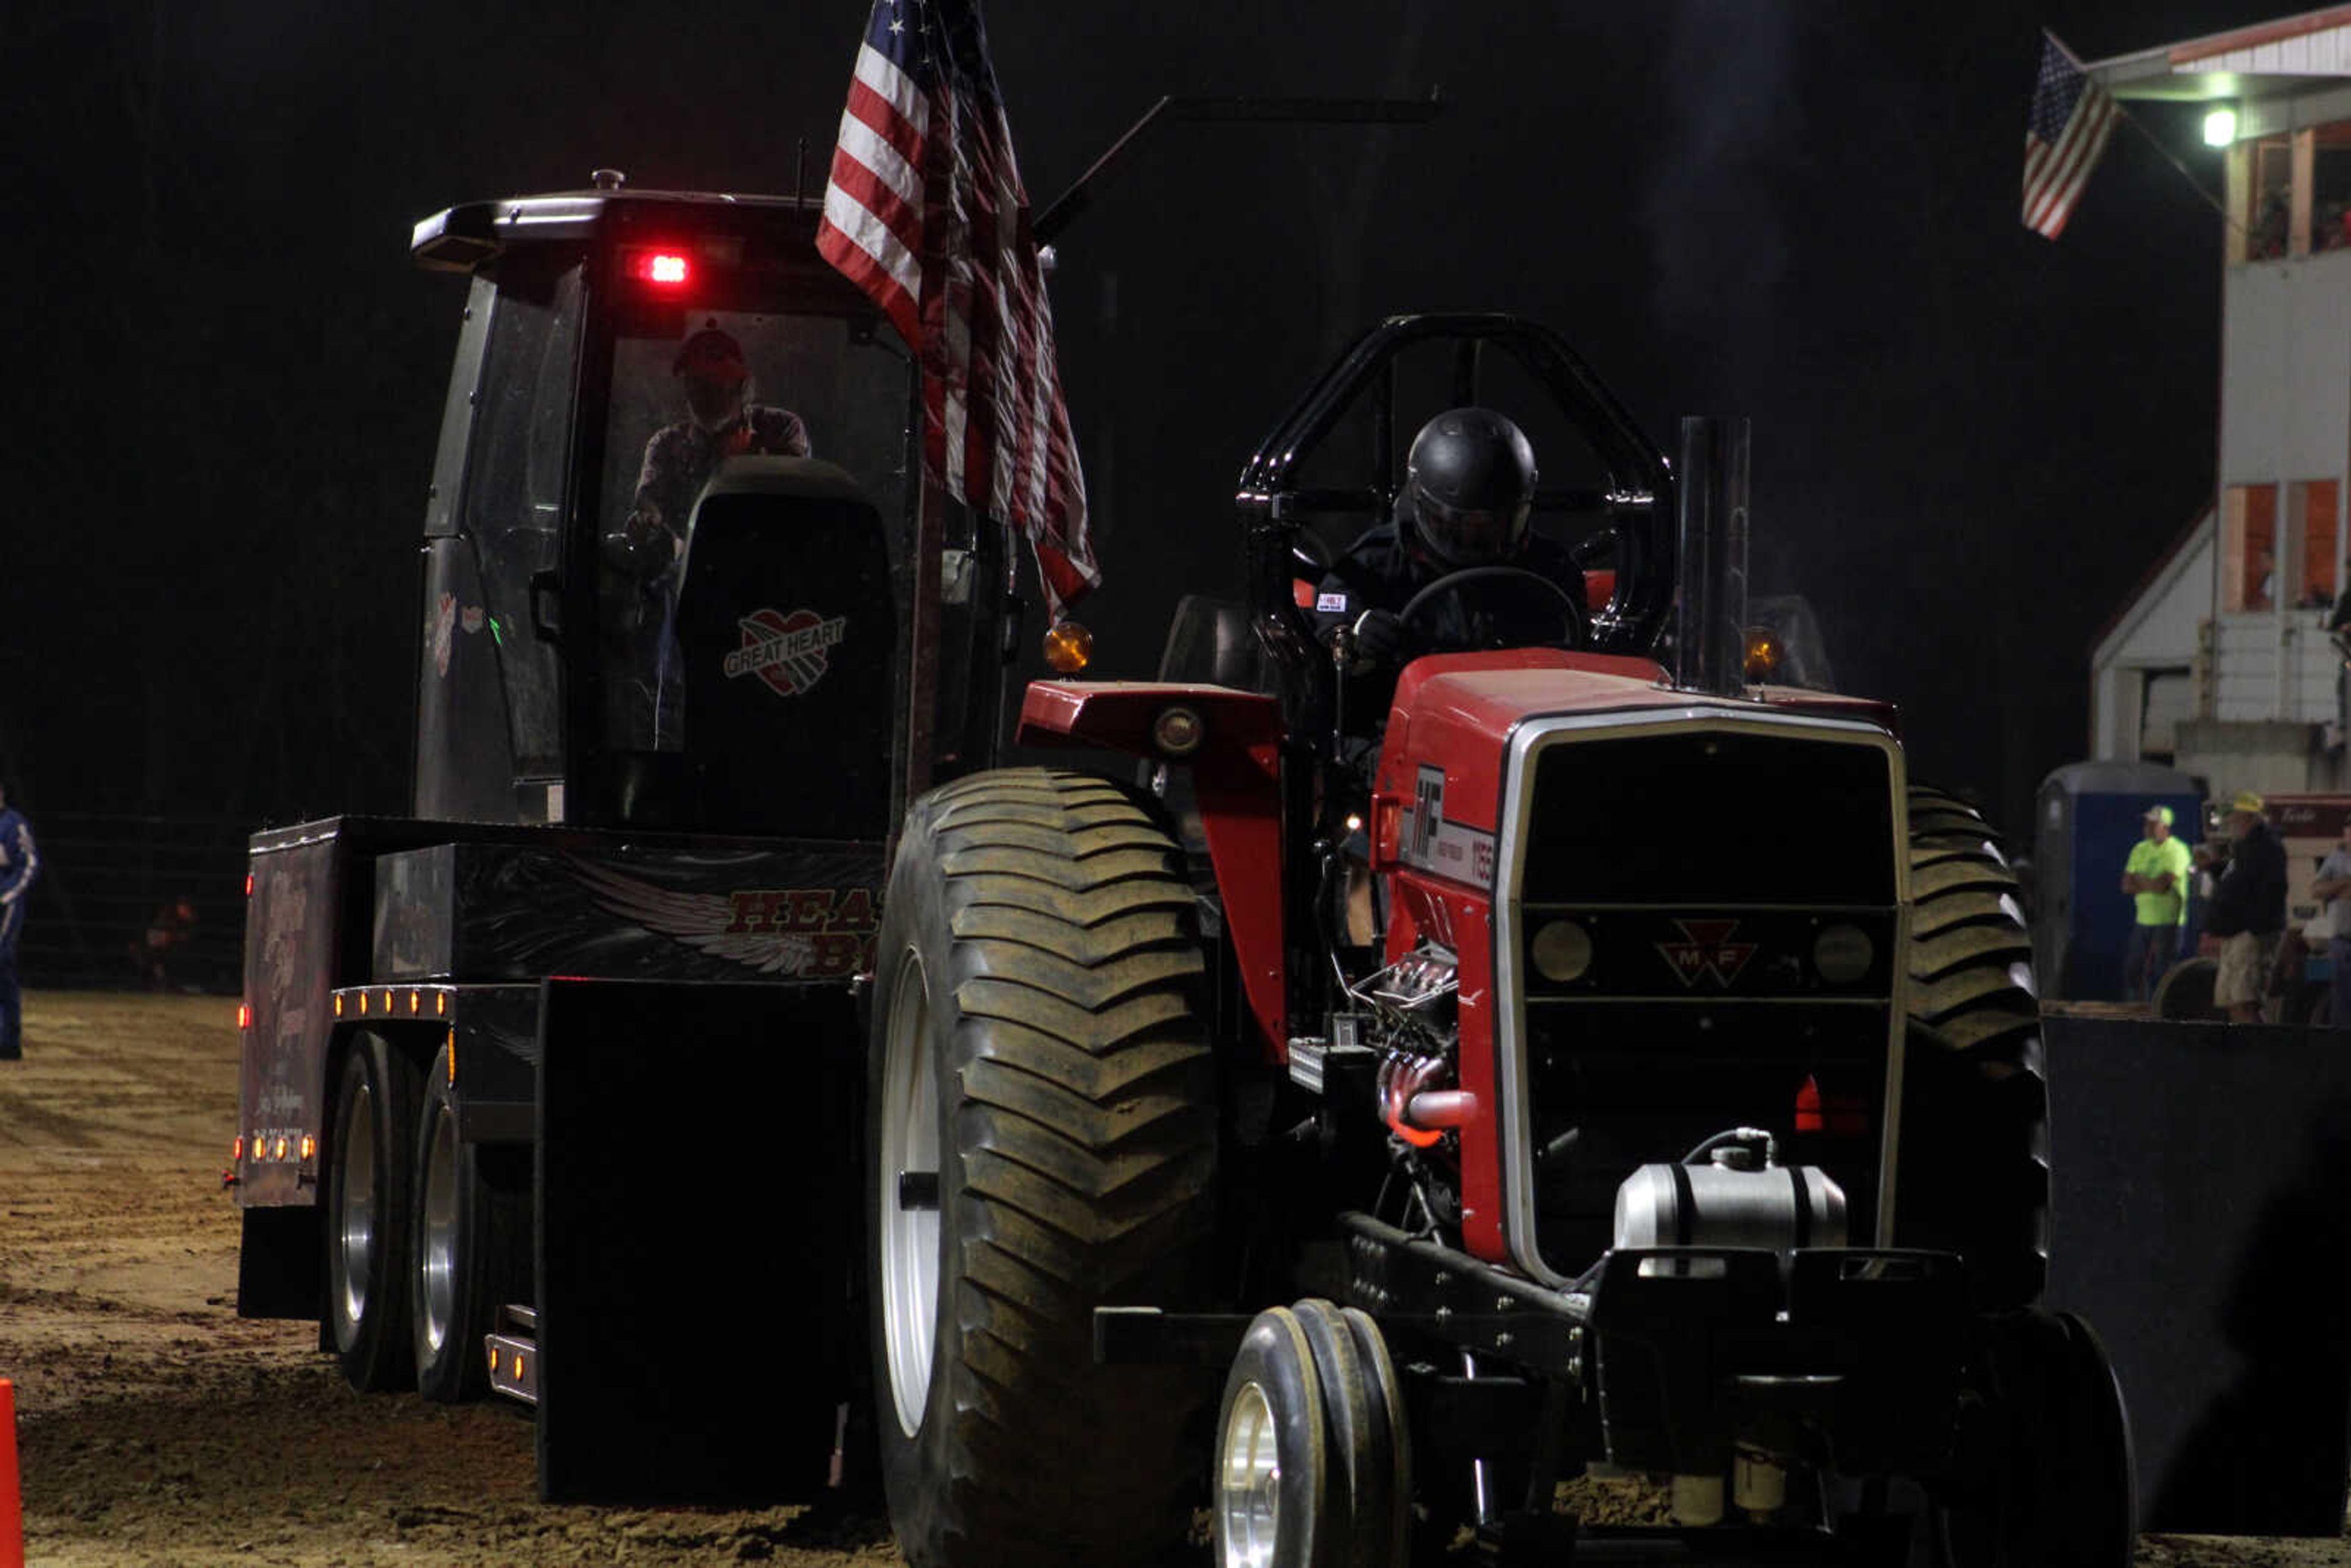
column 1706, row 948
column 787, row 652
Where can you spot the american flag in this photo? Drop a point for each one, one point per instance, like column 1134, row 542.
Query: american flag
column 924, row 210
column 2071, row 117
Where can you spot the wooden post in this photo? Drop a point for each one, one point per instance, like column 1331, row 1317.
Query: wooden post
column 2241, row 201
column 2305, row 165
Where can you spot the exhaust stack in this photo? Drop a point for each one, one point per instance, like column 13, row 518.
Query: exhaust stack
column 1710, row 629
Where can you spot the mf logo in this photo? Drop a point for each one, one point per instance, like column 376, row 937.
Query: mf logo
column 1707, row 948
column 787, row 652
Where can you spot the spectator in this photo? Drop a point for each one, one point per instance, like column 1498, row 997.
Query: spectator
column 2156, row 876
column 2334, row 885
column 2248, row 910
column 170, row 928
column 18, row 864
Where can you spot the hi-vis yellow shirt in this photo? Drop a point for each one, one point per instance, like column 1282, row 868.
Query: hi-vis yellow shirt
column 2149, row 858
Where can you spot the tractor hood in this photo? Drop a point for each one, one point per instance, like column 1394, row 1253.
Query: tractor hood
column 1453, row 716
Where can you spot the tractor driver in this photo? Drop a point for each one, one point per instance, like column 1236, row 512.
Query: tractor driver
column 1469, row 484
column 641, row 557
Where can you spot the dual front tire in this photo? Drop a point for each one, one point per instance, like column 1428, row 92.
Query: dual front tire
column 1314, row 1468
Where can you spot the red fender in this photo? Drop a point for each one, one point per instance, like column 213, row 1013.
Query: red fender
column 1235, row 755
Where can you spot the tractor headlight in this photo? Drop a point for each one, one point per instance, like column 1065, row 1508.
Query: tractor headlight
column 1561, row 952
column 1843, row 954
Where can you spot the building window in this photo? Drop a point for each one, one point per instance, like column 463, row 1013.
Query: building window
column 2249, row 548
column 2330, row 188
column 2311, row 527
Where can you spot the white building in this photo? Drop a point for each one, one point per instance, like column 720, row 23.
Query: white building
column 2221, row 664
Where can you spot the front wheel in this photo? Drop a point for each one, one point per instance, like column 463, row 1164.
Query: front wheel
column 1041, row 1142
column 368, row 1203
column 2056, row 1479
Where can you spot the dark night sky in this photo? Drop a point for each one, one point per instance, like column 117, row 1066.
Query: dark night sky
column 225, row 375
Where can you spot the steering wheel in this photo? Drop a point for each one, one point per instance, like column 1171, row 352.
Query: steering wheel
column 1571, row 614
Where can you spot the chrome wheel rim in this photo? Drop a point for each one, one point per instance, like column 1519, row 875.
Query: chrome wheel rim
column 909, row 1237
column 1249, row 1482
column 437, row 1262
column 355, row 1225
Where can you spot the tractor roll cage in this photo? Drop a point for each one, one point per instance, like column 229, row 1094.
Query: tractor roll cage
column 1638, row 499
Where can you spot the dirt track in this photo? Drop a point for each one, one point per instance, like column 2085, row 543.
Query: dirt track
column 157, row 1428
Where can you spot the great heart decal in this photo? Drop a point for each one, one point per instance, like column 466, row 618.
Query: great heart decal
column 787, row 652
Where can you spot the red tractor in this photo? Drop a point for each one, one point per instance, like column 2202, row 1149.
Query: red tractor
column 1570, row 1066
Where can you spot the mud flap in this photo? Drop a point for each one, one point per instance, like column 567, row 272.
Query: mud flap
column 694, row 1242
column 2198, row 1219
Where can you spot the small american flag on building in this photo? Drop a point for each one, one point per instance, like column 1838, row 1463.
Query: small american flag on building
column 2071, row 117
column 924, row 210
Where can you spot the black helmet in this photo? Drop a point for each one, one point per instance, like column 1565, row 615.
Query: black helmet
column 1471, row 480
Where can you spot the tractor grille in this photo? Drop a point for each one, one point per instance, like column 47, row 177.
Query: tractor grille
column 1706, row 935
column 1709, row 817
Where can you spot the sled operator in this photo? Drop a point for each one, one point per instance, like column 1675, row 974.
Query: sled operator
column 640, row 556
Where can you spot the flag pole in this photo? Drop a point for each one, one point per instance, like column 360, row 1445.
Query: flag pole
column 2185, row 173
column 2153, row 140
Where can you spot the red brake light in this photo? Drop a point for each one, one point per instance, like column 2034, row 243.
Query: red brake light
column 668, row 269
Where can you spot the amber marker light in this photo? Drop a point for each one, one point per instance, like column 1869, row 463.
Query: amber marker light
column 493, row 1360
column 1069, row 648
column 236, row 1147
column 310, row 1146
column 440, row 1003
column 1764, row 654
column 363, row 1005
column 282, row 1145
column 339, row 1007
column 245, row 1015
column 416, row 1001
column 453, row 1057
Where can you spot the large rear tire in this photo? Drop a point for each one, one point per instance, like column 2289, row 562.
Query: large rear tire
column 1973, row 1170
column 1041, row 1141
column 368, row 1203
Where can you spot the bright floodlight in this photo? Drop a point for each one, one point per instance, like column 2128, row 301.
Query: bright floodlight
column 2220, row 127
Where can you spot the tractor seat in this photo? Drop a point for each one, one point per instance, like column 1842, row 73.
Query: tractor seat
column 787, row 633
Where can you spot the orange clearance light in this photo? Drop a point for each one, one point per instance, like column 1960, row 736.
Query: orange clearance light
column 440, row 1003
column 453, row 1056
column 339, row 1007
column 387, row 1002
column 249, row 884
column 363, row 1001
column 1764, row 654
column 236, row 1147
column 1069, row 648
column 517, row 1364
column 245, row 1015
column 494, row 1359
column 415, row 1001
column 282, row 1145
column 310, row 1146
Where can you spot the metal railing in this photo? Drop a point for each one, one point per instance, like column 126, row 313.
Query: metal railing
column 105, row 908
